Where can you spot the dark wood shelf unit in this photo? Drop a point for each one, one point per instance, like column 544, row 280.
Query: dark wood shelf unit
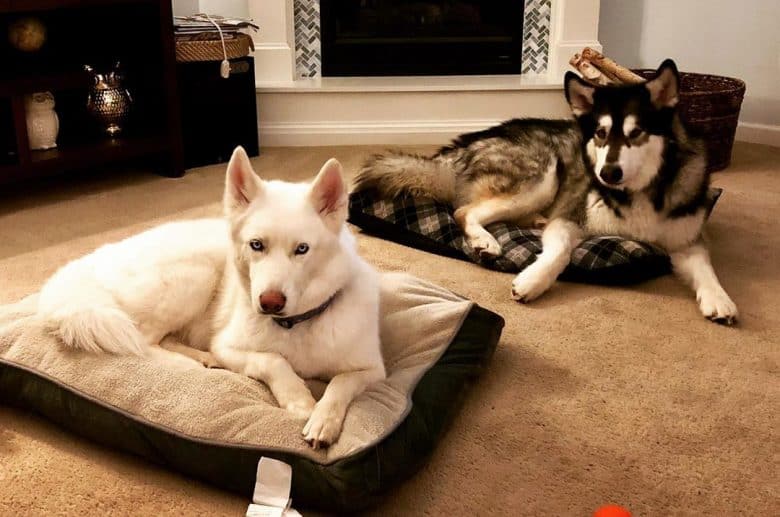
column 139, row 33
column 83, row 156
column 33, row 6
column 63, row 81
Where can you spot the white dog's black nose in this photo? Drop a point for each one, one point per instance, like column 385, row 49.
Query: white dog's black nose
column 272, row 302
column 611, row 173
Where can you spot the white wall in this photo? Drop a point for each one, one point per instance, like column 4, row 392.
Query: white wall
column 725, row 37
column 221, row 7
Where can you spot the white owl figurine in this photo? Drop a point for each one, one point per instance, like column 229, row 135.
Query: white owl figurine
column 42, row 121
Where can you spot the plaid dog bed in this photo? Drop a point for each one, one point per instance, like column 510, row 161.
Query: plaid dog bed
column 430, row 226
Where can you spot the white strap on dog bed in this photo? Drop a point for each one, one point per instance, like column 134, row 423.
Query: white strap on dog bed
column 272, row 490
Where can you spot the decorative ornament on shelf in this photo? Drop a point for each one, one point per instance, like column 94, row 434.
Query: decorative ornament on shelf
column 43, row 125
column 109, row 101
column 27, row 34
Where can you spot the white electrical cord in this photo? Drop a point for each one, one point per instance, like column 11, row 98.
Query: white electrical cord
column 224, row 67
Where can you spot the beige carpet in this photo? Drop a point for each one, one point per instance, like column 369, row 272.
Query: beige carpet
column 595, row 394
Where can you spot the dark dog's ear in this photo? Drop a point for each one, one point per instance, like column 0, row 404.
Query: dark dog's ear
column 579, row 94
column 664, row 88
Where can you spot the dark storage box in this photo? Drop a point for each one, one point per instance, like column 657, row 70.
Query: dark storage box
column 217, row 114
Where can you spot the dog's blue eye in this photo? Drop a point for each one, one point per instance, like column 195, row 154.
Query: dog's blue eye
column 256, row 245
column 302, row 249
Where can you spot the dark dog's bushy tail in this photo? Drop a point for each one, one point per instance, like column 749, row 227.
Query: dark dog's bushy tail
column 399, row 173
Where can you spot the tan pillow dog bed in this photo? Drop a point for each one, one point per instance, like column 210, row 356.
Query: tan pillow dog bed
column 215, row 425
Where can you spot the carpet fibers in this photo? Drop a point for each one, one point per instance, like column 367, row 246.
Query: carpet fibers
column 595, row 395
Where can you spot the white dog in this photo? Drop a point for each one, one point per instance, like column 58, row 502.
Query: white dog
column 275, row 291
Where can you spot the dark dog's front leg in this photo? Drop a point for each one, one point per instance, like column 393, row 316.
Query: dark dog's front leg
column 559, row 239
column 693, row 266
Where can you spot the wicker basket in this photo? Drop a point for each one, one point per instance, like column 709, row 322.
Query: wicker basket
column 208, row 47
column 709, row 106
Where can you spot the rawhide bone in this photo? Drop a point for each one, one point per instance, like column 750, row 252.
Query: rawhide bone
column 600, row 70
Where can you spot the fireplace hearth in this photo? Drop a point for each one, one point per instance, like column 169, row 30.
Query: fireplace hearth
column 413, row 37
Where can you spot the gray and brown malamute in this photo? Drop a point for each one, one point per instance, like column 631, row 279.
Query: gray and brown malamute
column 626, row 166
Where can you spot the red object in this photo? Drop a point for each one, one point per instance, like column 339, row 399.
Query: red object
column 611, row 510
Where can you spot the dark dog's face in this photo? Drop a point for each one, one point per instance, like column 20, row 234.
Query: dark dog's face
column 625, row 128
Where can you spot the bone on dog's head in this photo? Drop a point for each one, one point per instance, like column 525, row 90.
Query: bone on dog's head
column 287, row 242
column 626, row 128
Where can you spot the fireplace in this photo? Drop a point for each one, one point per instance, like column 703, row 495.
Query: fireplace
column 421, row 37
column 298, row 106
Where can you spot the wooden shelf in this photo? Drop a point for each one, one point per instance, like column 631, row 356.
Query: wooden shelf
column 101, row 151
column 31, row 84
column 84, row 155
column 7, row 170
column 14, row 6
column 78, row 33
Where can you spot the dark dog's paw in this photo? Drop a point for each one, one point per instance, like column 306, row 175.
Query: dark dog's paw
column 530, row 284
column 487, row 255
column 486, row 246
column 723, row 320
column 716, row 306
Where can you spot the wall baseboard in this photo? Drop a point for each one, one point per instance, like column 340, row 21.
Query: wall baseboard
column 759, row 133
column 395, row 117
column 408, row 132
column 405, row 132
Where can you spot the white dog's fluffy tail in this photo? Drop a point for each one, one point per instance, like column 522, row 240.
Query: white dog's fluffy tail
column 86, row 317
column 397, row 173
column 97, row 329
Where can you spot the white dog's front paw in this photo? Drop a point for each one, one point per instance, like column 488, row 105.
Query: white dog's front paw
column 324, row 426
column 206, row 359
column 486, row 245
column 530, row 284
column 301, row 408
column 210, row 362
column 716, row 306
column 296, row 398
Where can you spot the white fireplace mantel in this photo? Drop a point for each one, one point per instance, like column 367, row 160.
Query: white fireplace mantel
column 275, row 41
column 574, row 25
column 332, row 110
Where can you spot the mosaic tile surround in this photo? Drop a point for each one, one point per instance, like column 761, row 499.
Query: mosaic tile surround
column 308, row 55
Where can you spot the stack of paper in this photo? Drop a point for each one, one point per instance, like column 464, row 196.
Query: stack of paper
column 200, row 23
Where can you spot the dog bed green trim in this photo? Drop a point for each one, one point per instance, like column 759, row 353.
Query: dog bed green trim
column 355, row 481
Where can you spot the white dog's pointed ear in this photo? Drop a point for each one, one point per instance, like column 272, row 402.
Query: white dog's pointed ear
column 579, row 94
column 329, row 195
column 241, row 183
column 664, row 88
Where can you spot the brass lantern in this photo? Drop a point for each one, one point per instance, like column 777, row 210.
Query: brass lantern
column 109, row 101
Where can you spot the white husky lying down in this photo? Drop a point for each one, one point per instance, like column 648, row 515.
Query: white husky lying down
column 275, row 291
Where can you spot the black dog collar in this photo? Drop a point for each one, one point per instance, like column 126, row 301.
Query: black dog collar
column 290, row 321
